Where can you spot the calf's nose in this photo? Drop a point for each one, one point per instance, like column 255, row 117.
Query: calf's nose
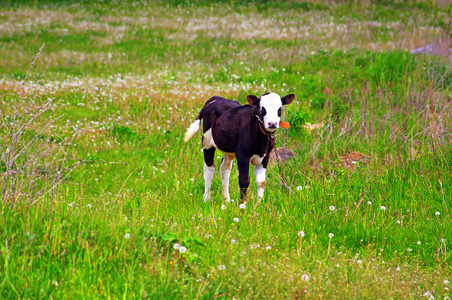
column 272, row 124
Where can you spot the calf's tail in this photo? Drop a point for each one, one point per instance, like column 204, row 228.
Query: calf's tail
column 194, row 127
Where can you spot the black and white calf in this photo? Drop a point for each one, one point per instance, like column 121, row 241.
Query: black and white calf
column 243, row 132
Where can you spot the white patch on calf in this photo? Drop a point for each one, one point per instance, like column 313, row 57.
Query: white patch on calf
column 256, row 159
column 208, row 141
column 272, row 103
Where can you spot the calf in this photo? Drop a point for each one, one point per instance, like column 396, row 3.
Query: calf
column 243, row 132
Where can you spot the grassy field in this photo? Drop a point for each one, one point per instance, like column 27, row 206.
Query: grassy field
column 101, row 198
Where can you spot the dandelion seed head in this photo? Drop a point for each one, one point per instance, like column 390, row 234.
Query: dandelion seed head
column 383, row 208
column 233, row 241
column 437, row 213
column 182, row 249
column 299, row 188
column 221, row 267
column 223, row 207
column 331, row 235
column 127, row 236
column 305, row 277
column 236, row 220
column 242, row 206
column 268, row 248
column 332, row 208
column 359, row 261
column 176, row 246
column 301, row 233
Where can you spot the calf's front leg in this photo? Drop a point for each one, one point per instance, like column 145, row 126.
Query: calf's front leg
column 243, row 164
column 259, row 174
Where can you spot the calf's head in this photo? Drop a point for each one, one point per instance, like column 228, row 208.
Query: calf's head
column 269, row 108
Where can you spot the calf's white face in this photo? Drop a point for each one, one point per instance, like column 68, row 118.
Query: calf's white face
column 270, row 110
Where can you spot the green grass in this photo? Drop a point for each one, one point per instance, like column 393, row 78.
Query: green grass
column 97, row 185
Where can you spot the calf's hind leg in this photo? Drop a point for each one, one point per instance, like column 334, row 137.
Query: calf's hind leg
column 209, row 171
column 225, row 171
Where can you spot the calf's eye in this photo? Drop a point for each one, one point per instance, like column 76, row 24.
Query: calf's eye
column 263, row 111
column 279, row 112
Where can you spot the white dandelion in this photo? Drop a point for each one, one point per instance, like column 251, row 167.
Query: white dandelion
column 383, row 208
column 331, row 235
column 221, row 267
column 223, row 207
column 176, row 246
column 236, row 220
column 332, row 208
column 182, row 249
column 299, row 188
column 301, row 234
column 127, row 236
column 242, row 206
column 305, row 277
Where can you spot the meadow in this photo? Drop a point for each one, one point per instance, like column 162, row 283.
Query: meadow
column 101, row 198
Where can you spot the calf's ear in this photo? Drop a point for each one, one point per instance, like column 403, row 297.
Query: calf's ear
column 287, row 99
column 252, row 100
